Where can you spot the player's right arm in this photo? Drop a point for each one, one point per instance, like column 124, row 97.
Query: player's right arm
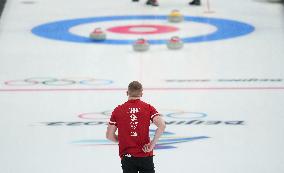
column 110, row 133
column 112, row 127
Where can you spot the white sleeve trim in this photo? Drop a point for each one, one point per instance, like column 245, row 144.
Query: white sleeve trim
column 111, row 122
column 154, row 115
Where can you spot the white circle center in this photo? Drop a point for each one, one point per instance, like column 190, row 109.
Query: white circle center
column 142, row 29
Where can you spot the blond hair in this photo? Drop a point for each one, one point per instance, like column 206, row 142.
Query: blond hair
column 135, row 89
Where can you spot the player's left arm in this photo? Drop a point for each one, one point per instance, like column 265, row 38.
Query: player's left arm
column 160, row 123
column 110, row 133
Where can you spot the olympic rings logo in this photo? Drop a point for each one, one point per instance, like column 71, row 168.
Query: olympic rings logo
column 49, row 81
column 166, row 113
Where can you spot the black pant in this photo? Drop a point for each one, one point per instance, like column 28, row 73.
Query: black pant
column 135, row 164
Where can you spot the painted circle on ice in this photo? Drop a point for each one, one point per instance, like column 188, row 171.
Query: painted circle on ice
column 142, row 29
column 60, row 30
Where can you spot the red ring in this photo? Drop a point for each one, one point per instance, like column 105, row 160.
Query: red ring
column 159, row 29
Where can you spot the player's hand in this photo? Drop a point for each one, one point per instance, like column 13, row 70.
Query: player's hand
column 148, row 147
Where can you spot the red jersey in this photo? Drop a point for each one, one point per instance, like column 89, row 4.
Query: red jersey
column 133, row 120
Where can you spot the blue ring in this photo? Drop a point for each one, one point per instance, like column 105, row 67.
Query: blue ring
column 199, row 115
column 104, row 82
column 59, row 30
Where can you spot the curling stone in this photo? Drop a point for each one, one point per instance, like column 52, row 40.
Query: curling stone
column 141, row 45
column 98, row 34
column 175, row 43
column 175, row 16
